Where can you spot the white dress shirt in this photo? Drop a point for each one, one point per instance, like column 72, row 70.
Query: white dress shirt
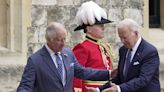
column 52, row 54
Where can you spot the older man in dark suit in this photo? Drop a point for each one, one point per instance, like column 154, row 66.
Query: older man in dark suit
column 52, row 68
column 138, row 68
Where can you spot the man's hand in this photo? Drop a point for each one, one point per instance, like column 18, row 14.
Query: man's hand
column 77, row 90
column 114, row 73
column 91, row 89
column 112, row 84
column 111, row 89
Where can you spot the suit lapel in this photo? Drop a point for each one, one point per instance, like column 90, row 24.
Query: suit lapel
column 66, row 64
column 135, row 58
column 48, row 60
column 137, row 55
column 122, row 61
column 138, row 52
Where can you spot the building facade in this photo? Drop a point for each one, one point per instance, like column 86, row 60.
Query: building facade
column 23, row 23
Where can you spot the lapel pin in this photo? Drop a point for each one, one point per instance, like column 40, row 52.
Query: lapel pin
column 136, row 63
column 65, row 55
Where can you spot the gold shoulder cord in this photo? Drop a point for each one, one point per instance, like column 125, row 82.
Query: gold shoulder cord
column 78, row 89
column 109, row 52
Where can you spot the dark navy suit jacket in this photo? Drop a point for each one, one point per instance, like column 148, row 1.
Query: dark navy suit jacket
column 143, row 72
column 40, row 74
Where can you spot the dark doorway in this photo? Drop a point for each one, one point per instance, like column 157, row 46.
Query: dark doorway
column 154, row 14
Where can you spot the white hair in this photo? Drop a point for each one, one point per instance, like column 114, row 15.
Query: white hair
column 88, row 12
column 133, row 25
column 52, row 29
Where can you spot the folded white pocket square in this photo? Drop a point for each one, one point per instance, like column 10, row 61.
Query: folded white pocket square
column 136, row 63
column 72, row 65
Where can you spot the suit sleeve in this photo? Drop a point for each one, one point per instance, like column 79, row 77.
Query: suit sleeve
column 116, row 79
column 81, row 55
column 89, row 73
column 107, row 85
column 148, row 69
column 28, row 78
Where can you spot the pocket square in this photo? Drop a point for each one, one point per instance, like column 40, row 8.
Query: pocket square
column 136, row 63
column 72, row 65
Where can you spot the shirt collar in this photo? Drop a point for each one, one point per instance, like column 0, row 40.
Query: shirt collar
column 136, row 45
column 51, row 52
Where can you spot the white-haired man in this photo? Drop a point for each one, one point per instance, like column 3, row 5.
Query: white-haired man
column 138, row 68
column 92, row 52
column 52, row 68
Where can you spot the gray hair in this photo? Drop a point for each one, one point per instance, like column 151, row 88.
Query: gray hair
column 133, row 25
column 52, row 29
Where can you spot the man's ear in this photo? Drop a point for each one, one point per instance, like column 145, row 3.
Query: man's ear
column 88, row 29
column 136, row 33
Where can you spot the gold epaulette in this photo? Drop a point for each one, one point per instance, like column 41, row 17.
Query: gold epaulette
column 109, row 52
column 98, row 83
column 78, row 89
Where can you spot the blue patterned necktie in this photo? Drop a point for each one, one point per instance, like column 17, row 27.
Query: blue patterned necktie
column 60, row 65
column 127, row 62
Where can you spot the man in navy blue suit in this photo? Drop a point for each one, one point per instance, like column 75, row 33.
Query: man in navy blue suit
column 138, row 68
column 52, row 68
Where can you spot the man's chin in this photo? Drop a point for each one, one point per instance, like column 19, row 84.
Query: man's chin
column 126, row 46
column 60, row 50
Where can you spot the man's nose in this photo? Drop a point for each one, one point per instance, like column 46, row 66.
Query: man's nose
column 122, row 40
column 63, row 42
column 103, row 28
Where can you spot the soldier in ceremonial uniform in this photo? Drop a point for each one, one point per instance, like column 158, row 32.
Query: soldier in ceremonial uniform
column 92, row 52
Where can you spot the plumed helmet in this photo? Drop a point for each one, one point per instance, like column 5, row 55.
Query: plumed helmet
column 89, row 14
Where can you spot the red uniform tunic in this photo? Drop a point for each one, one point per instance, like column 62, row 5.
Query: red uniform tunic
column 88, row 54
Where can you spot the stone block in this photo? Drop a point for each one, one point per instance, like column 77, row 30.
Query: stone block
column 55, row 14
column 44, row 2
column 134, row 3
column 115, row 3
column 39, row 15
column 115, row 15
column 10, row 77
column 68, row 2
column 103, row 3
column 135, row 14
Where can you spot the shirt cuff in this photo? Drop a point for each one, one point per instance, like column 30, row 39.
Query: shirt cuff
column 110, row 72
column 118, row 88
column 97, row 90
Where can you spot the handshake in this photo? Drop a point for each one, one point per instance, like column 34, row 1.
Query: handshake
column 113, row 87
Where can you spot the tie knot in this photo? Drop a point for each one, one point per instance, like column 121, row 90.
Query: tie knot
column 131, row 49
column 56, row 53
column 58, row 58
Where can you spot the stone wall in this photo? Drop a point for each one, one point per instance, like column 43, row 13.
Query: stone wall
column 64, row 11
column 10, row 77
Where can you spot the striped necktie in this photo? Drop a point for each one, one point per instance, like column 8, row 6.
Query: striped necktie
column 60, row 65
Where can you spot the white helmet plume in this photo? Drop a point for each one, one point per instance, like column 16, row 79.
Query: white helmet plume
column 88, row 12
